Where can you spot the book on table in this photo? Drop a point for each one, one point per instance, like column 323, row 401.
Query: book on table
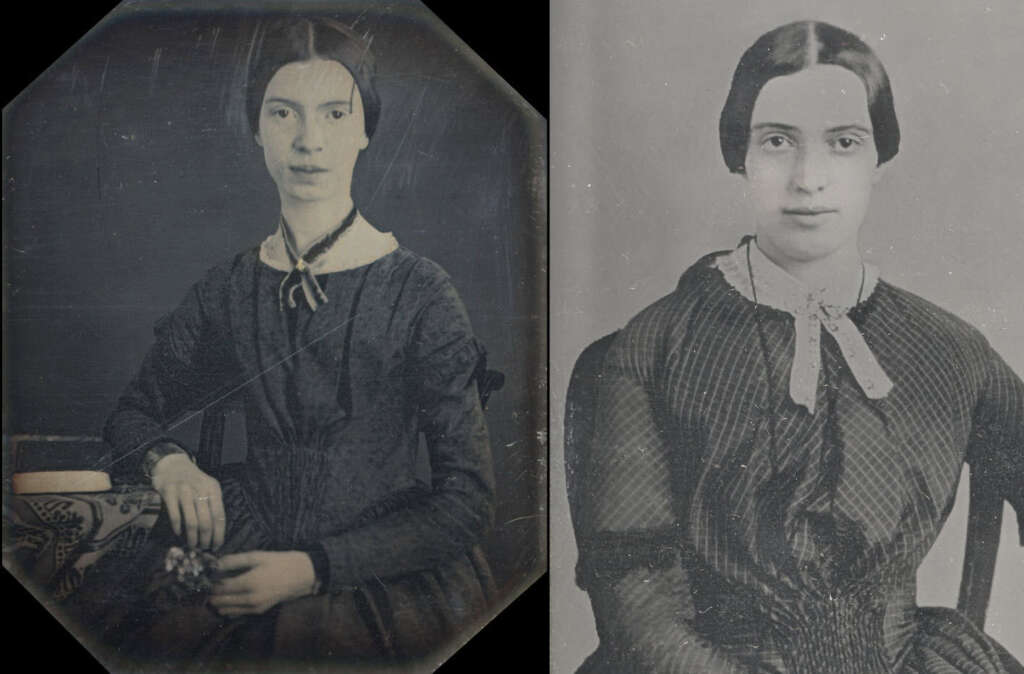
column 58, row 464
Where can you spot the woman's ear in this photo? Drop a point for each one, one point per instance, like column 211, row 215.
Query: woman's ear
column 259, row 141
column 364, row 141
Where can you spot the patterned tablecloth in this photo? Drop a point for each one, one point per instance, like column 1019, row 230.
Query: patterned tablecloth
column 55, row 538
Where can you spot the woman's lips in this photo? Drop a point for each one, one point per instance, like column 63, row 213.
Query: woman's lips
column 808, row 216
column 808, row 210
column 307, row 174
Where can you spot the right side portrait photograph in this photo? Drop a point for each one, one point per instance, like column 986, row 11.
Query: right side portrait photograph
column 787, row 337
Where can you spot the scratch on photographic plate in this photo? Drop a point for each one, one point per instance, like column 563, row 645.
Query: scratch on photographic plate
column 155, row 70
column 401, row 144
column 242, row 385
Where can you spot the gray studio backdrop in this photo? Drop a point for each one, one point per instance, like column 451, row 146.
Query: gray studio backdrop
column 639, row 192
column 129, row 170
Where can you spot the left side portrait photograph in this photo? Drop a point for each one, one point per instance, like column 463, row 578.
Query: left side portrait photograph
column 275, row 385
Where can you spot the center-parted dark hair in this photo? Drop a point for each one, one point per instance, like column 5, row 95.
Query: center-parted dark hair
column 280, row 41
column 789, row 49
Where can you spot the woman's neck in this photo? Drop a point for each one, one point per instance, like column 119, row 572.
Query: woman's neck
column 310, row 220
column 840, row 271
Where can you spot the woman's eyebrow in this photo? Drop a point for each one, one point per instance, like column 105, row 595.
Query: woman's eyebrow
column 795, row 130
column 332, row 103
column 775, row 125
column 286, row 101
column 850, row 127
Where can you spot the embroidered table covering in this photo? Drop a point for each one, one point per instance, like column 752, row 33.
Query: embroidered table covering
column 55, row 538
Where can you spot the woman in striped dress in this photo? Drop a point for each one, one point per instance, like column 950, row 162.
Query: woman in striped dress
column 779, row 440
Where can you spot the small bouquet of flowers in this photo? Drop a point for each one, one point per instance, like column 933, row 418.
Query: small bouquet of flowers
column 192, row 568
column 189, row 574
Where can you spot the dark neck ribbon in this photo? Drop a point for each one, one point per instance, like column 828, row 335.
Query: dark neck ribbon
column 301, row 274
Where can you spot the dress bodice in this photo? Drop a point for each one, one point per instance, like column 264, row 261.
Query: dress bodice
column 805, row 527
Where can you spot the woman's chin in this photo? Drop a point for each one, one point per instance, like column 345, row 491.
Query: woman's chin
column 805, row 245
column 310, row 193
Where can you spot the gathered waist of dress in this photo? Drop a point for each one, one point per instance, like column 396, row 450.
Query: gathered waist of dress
column 300, row 510
column 839, row 632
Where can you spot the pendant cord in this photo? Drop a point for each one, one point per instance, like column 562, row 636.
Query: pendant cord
column 860, row 292
column 769, row 370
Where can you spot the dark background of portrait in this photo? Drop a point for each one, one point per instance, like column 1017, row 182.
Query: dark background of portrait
column 129, row 170
column 639, row 192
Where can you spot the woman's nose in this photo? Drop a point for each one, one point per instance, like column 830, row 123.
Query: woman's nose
column 309, row 138
column 811, row 171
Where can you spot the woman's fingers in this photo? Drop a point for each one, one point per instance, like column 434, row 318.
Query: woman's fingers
column 219, row 519
column 232, row 606
column 236, row 600
column 235, row 585
column 199, row 519
column 239, row 560
column 238, row 612
column 187, row 500
column 193, row 500
column 204, row 522
column 170, row 497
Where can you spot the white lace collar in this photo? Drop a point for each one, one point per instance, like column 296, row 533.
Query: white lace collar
column 360, row 245
column 811, row 310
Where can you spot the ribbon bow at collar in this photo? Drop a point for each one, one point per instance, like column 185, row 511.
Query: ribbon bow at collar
column 811, row 312
column 301, row 275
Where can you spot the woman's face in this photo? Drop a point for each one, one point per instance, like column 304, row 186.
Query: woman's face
column 811, row 163
column 311, row 130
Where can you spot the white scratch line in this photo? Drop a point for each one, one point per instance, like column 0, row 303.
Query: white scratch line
column 213, row 43
column 401, row 143
column 524, row 517
column 103, row 75
column 155, row 70
column 245, row 383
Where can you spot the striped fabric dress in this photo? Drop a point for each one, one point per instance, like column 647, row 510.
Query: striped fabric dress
column 724, row 528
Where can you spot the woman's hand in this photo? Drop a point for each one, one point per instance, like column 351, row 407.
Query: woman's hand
column 271, row 578
column 193, row 497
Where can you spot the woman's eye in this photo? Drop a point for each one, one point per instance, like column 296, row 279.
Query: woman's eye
column 846, row 144
column 282, row 113
column 776, row 142
column 337, row 114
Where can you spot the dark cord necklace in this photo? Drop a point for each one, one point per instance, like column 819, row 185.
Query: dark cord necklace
column 769, row 370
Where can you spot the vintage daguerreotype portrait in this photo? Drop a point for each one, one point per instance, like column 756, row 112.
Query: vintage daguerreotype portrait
column 275, row 341
column 787, row 324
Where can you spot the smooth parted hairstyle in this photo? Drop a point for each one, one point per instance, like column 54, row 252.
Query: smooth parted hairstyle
column 789, row 49
column 280, row 41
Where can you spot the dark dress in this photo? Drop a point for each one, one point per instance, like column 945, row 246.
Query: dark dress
column 707, row 546
column 335, row 401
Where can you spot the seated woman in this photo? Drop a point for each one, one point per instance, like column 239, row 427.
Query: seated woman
column 343, row 348
column 779, row 440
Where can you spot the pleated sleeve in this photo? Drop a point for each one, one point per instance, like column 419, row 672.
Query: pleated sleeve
column 631, row 541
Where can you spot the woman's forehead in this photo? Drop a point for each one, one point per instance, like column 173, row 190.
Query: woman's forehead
column 318, row 79
column 820, row 97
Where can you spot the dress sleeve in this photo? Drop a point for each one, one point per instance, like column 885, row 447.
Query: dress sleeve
column 631, row 542
column 453, row 515
column 182, row 370
column 997, row 445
